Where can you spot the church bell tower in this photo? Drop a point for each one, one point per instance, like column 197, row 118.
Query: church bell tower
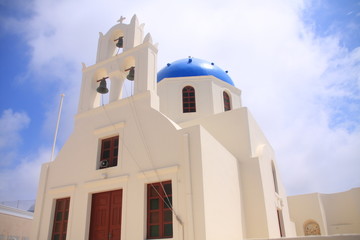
column 123, row 54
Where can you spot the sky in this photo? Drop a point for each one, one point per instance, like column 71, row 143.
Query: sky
column 297, row 63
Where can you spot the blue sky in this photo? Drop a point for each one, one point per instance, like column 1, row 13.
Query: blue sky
column 296, row 62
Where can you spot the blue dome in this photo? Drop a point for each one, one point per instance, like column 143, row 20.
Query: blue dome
column 190, row 67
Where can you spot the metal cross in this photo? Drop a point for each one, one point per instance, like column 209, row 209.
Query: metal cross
column 121, row 19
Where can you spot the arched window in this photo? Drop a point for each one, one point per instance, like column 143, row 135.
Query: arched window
column 281, row 223
column 274, row 177
column 188, row 97
column 311, row 228
column 227, row 104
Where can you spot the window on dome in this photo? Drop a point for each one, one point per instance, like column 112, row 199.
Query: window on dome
column 227, row 103
column 188, row 97
column 159, row 210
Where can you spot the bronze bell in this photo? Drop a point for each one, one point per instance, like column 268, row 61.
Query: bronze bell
column 102, row 89
column 131, row 75
column 120, row 42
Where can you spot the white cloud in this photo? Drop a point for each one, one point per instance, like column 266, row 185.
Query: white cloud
column 10, row 134
column 290, row 78
column 21, row 182
column 11, row 123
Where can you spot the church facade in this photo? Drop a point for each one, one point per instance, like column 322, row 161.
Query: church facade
column 168, row 155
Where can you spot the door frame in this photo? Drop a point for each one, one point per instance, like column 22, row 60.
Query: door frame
column 90, row 210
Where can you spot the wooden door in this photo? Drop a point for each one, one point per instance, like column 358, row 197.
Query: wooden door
column 105, row 222
column 115, row 215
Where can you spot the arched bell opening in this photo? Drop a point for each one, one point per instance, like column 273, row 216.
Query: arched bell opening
column 116, row 42
column 129, row 71
column 100, row 88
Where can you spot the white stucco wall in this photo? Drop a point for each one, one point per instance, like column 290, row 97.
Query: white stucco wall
column 342, row 211
column 15, row 223
column 147, row 143
column 222, row 199
column 238, row 132
column 337, row 213
column 220, row 163
column 335, row 237
column 208, row 94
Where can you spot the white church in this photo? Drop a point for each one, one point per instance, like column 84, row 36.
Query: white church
column 169, row 155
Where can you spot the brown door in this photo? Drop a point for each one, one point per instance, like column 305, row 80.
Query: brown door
column 105, row 220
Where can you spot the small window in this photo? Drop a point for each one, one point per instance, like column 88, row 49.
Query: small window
column 61, row 216
column 159, row 210
column 109, row 152
column 227, row 103
column 188, row 97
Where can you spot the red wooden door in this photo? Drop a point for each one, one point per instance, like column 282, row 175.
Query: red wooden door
column 105, row 222
column 115, row 215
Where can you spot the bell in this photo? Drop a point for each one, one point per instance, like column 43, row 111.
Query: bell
column 102, row 89
column 120, row 42
column 131, row 74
